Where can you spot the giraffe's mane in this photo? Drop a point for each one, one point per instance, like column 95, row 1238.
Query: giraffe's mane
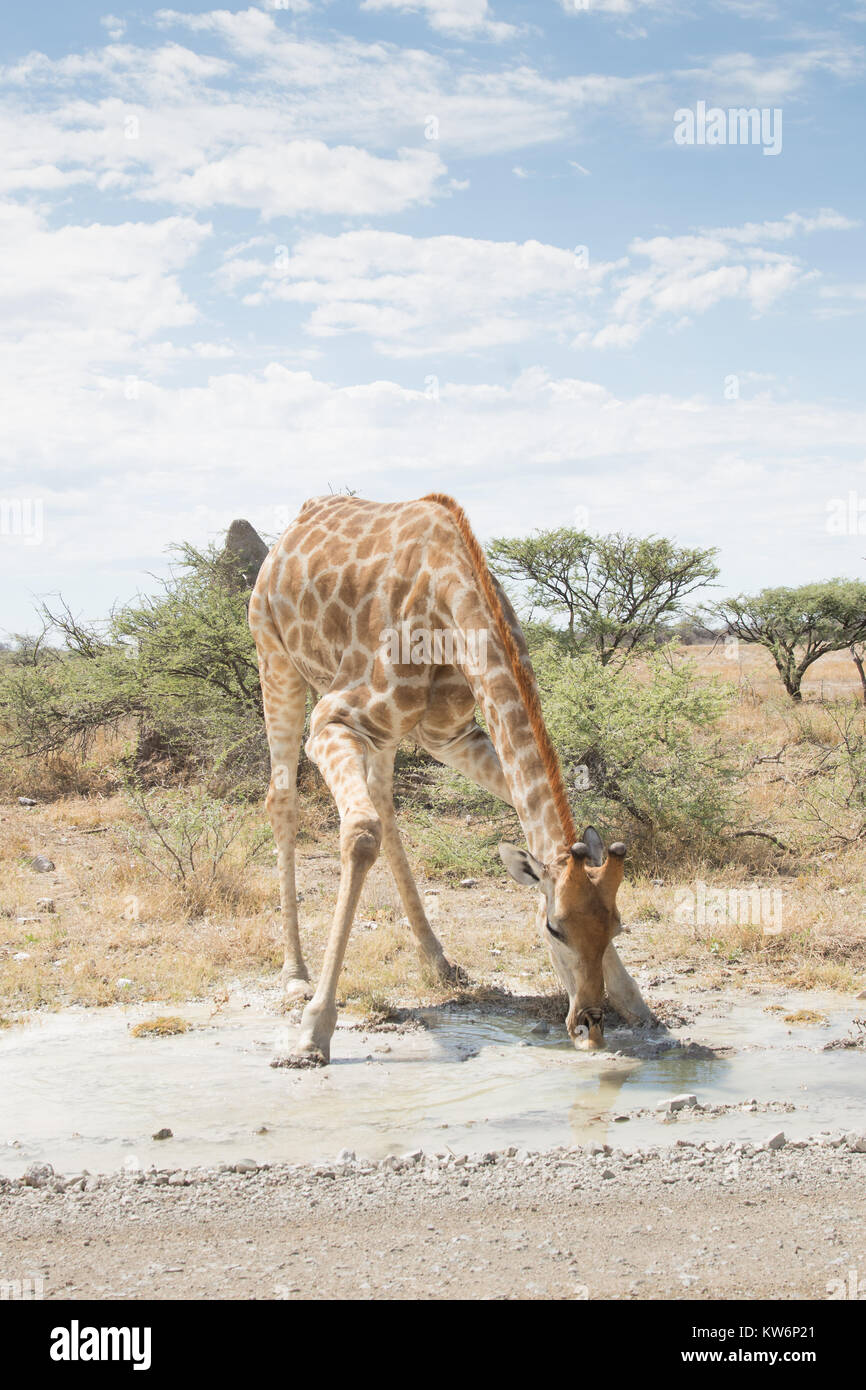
column 523, row 677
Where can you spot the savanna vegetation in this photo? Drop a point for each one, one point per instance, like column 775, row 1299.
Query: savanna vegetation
column 134, row 761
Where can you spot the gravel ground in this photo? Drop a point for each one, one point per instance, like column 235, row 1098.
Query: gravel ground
column 704, row 1220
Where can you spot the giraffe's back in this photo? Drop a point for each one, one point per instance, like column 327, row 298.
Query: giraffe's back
column 341, row 584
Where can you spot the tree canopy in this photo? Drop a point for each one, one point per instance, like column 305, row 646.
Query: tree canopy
column 614, row 591
column 797, row 626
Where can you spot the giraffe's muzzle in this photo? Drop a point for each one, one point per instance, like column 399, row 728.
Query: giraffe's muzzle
column 586, row 1028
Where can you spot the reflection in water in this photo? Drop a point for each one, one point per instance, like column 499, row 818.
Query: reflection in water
column 77, row 1090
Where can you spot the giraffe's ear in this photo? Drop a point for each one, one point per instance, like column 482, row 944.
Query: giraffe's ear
column 595, row 845
column 523, row 866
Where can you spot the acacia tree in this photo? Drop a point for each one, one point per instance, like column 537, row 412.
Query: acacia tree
column 614, row 591
column 797, row 626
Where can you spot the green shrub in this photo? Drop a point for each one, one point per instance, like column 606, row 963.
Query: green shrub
column 641, row 751
column 176, row 672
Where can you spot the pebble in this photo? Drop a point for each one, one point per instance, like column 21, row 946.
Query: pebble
column 38, row 1175
column 672, row 1103
column 563, row 1170
column 41, row 864
column 468, row 882
column 163, row 1134
column 26, row 801
column 777, row 1140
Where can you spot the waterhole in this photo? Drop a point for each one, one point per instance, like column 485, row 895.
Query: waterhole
column 78, row 1090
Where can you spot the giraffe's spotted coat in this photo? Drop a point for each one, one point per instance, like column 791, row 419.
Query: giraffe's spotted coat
column 346, row 572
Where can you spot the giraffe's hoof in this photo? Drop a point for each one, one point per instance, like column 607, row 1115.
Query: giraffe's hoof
column 455, row 975
column 441, row 969
column 302, row 1060
column 294, row 990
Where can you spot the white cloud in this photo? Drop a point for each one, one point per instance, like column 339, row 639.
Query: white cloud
column 456, row 18
column 250, row 124
column 749, row 9
column 414, row 296
column 121, row 477
column 620, row 8
column 275, row 86
column 789, row 226
column 842, row 301
column 303, row 176
column 734, row 79
column 218, row 153
column 114, row 27
column 417, row 295
column 685, row 275
column 98, row 286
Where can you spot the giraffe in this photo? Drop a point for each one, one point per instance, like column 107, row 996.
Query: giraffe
column 345, row 576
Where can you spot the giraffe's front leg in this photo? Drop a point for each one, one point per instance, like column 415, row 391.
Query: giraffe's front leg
column 284, row 693
column 342, row 759
column 622, row 991
column 380, row 782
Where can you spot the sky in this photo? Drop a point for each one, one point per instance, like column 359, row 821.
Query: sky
column 518, row 252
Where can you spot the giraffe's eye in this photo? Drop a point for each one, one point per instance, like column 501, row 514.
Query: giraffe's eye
column 553, row 932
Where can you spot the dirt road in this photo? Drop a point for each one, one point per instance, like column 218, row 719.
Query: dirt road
column 692, row 1221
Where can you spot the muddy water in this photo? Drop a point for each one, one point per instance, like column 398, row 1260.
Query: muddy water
column 79, row 1091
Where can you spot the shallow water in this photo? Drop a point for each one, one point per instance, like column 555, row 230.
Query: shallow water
column 78, row 1091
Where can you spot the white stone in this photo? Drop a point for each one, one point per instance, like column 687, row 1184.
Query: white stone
column 672, row 1103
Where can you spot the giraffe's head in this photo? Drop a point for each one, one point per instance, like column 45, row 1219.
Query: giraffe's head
column 579, row 918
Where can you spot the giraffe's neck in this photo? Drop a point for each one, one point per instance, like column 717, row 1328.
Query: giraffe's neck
column 523, row 768
column 508, row 695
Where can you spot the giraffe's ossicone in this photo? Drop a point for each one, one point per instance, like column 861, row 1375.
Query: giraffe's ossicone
column 389, row 613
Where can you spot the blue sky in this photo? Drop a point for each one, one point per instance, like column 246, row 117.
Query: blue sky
column 250, row 254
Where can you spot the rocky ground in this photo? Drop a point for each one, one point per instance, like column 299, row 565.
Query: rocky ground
column 693, row 1220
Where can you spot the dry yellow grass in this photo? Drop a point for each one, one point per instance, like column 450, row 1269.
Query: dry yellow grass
column 119, row 935
column 750, row 667
column 118, row 931
column 166, row 1026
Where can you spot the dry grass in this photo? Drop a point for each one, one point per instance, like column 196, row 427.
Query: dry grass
column 120, row 934
column 61, row 774
column 118, row 931
column 166, row 1026
column 808, row 929
column 751, row 668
